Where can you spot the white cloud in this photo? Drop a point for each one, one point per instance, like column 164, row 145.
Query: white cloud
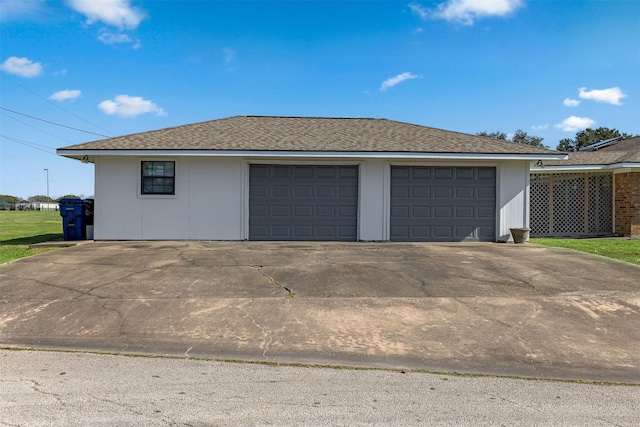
column 108, row 37
column 130, row 106
column 574, row 124
column 568, row 102
column 118, row 13
column 540, row 127
column 419, row 11
column 23, row 67
column 61, row 95
column 391, row 82
column 13, row 9
column 465, row 12
column 229, row 58
column 613, row 95
column 229, row 55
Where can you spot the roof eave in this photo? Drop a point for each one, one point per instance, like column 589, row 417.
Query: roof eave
column 577, row 168
column 90, row 154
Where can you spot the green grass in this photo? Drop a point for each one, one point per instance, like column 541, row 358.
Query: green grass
column 621, row 249
column 19, row 229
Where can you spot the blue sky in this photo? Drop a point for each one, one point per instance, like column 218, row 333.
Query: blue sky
column 115, row 67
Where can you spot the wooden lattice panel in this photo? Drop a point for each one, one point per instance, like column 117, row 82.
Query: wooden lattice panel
column 568, row 203
column 539, row 217
column 571, row 204
column 600, row 203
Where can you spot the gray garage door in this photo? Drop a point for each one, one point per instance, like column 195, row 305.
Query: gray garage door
column 443, row 204
column 303, row 202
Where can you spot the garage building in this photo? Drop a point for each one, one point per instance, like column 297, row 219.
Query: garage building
column 308, row 179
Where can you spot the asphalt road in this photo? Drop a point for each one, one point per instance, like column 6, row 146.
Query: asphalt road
column 40, row 388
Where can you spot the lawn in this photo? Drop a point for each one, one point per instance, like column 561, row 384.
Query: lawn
column 620, row 249
column 18, row 229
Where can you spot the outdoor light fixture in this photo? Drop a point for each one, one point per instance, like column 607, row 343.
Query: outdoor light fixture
column 540, row 164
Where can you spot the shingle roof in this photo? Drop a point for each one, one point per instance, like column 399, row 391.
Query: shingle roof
column 624, row 151
column 259, row 133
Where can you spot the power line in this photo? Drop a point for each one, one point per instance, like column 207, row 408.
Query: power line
column 33, row 127
column 28, row 144
column 54, row 123
column 57, row 106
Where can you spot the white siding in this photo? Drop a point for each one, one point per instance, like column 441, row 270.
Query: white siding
column 216, row 194
column 207, row 204
column 513, row 199
column 211, row 199
column 373, row 206
column 117, row 212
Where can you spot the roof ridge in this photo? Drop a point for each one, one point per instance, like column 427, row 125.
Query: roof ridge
column 313, row 117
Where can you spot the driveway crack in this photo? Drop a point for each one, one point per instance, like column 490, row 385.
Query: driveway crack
column 267, row 339
column 274, row 282
column 118, row 280
column 528, row 348
column 121, row 327
column 66, row 288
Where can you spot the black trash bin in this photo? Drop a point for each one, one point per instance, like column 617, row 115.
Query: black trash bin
column 73, row 216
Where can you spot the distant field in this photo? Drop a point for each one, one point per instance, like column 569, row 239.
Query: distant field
column 620, row 249
column 18, row 229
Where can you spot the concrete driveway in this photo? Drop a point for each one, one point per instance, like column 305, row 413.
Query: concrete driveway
column 487, row 308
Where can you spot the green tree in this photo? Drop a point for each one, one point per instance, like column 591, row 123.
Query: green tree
column 40, row 198
column 494, row 135
column 566, row 144
column 589, row 136
column 519, row 137
column 69, row 196
column 9, row 199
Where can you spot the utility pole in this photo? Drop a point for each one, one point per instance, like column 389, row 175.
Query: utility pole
column 48, row 198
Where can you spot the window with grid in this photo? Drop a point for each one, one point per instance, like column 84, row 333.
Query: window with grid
column 158, row 177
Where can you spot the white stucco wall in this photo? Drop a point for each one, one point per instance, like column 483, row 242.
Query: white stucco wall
column 207, row 206
column 373, row 202
column 513, row 198
column 211, row 201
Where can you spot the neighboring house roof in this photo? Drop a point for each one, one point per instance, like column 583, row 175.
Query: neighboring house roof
column 305, row 134
column 621, row 153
